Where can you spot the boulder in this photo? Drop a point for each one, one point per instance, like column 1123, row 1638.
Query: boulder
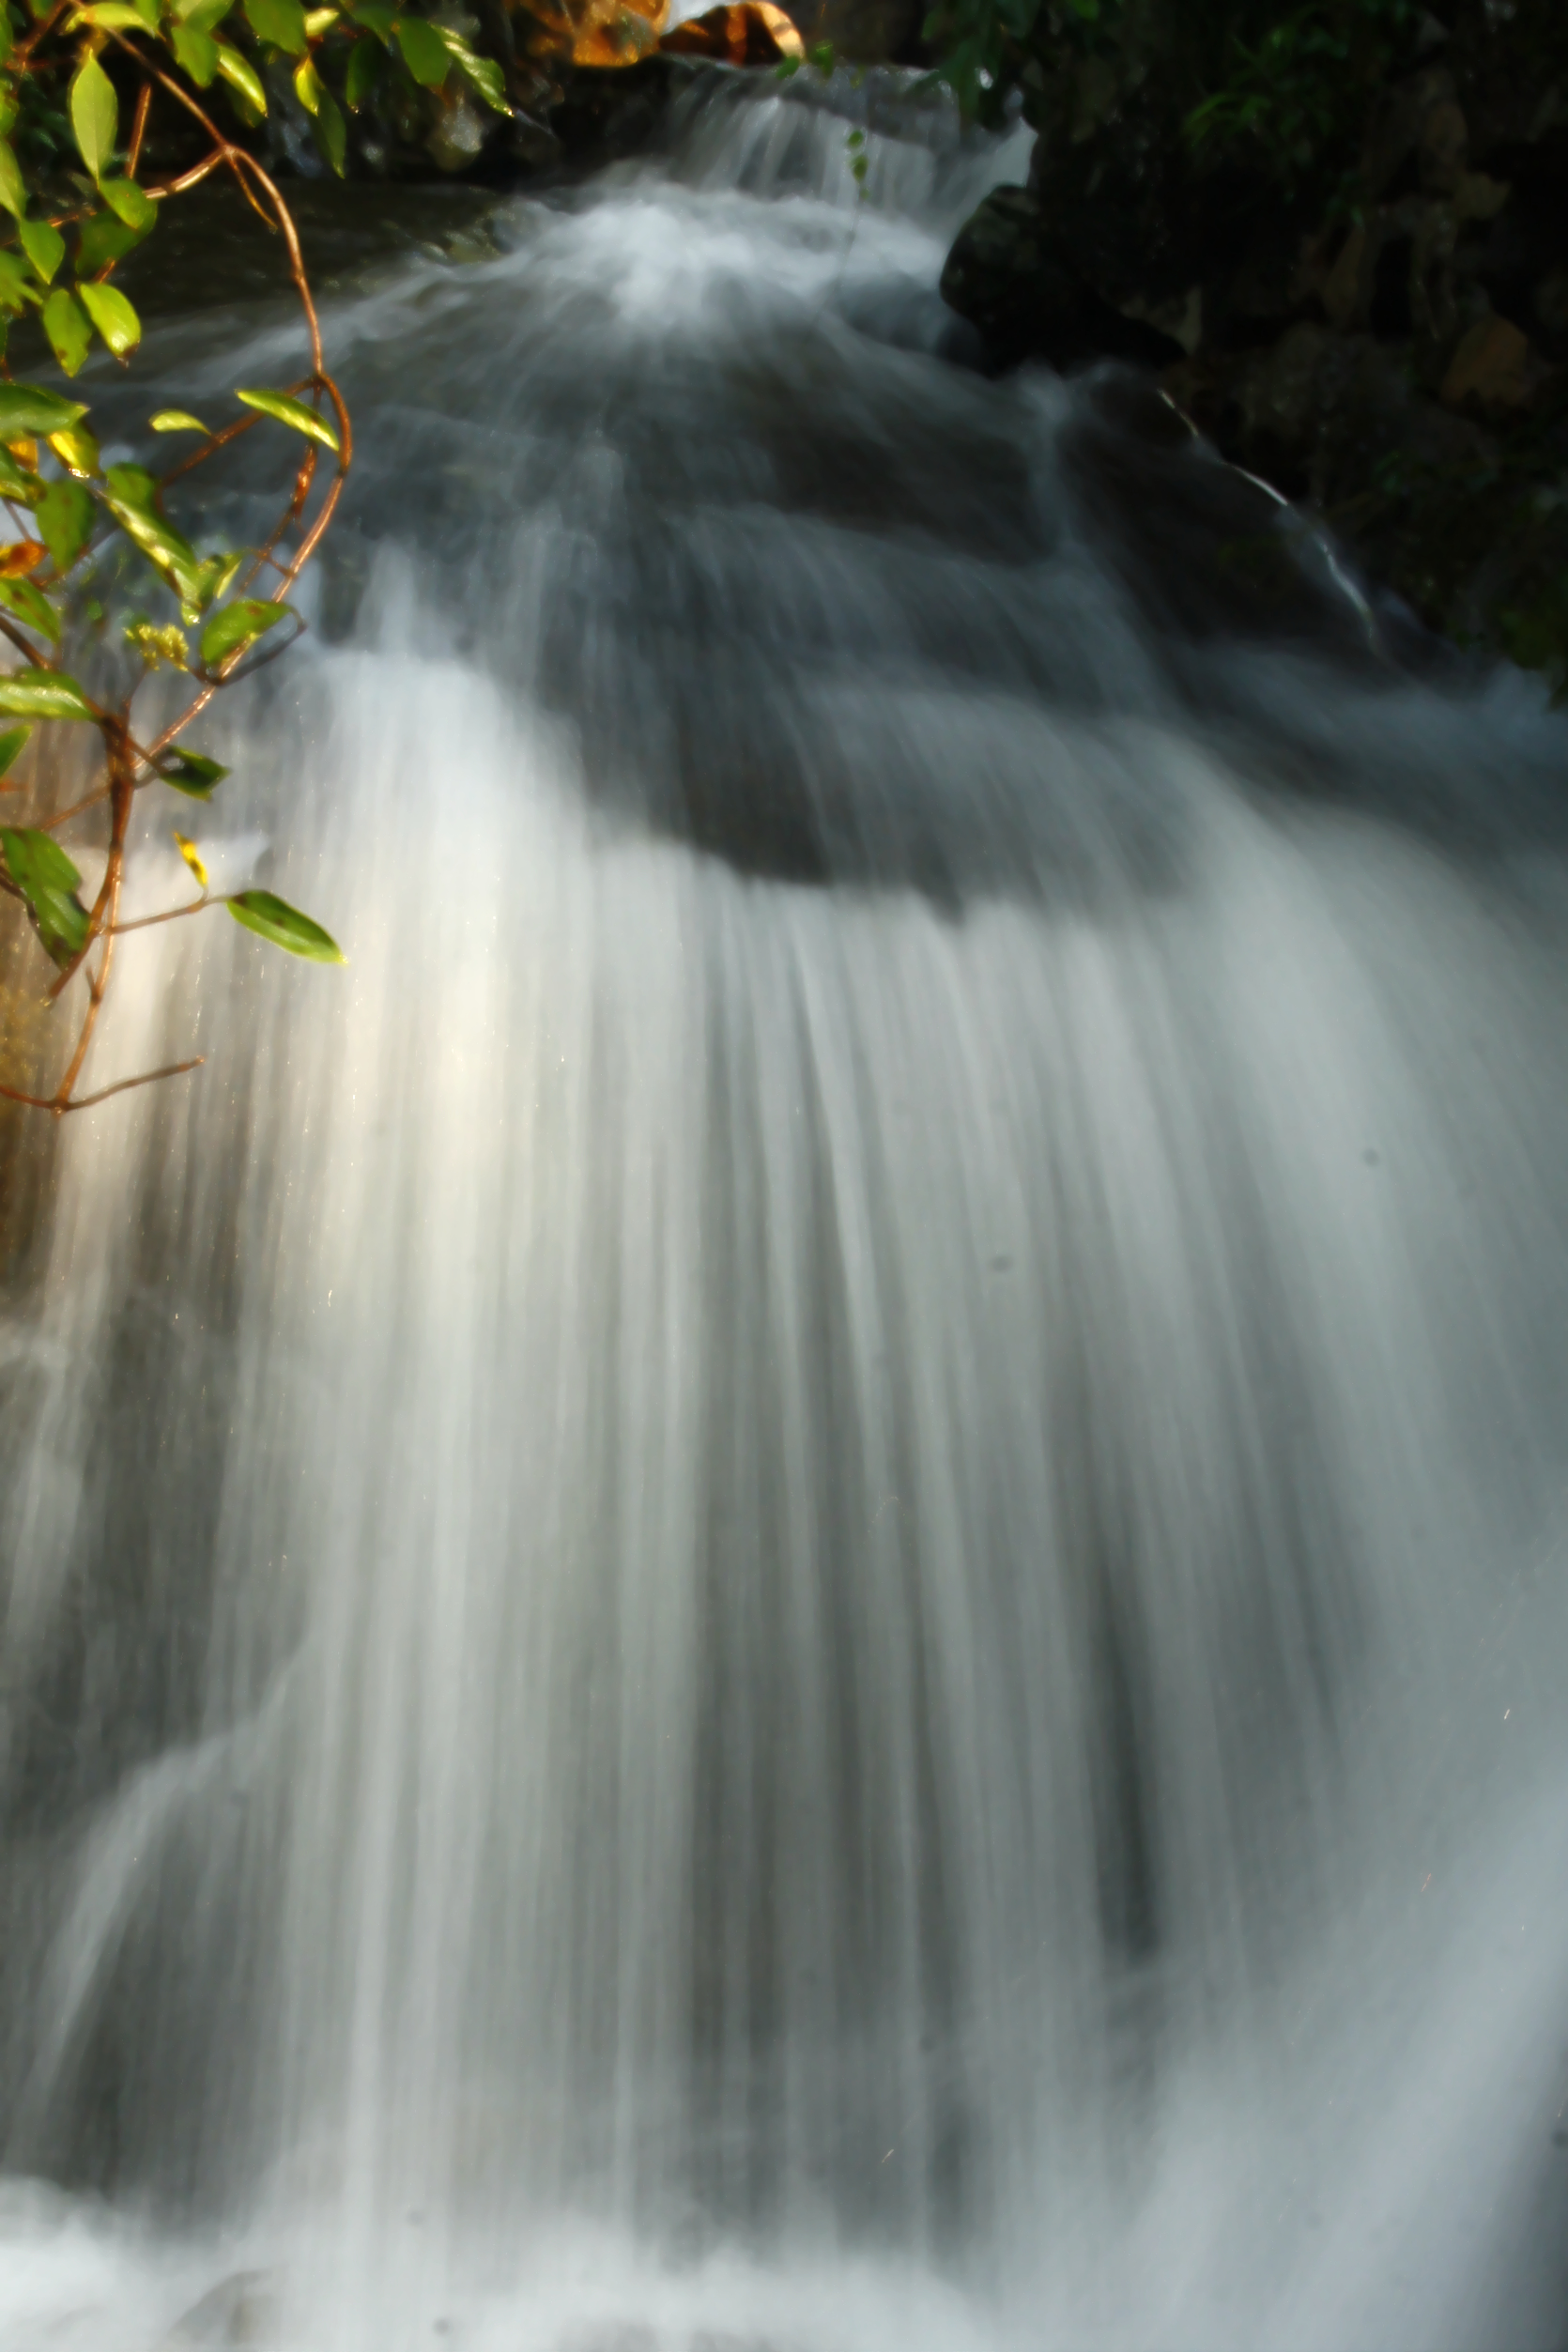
column 747, row 32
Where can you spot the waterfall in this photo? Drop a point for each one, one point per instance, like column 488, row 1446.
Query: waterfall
column 799, row 1586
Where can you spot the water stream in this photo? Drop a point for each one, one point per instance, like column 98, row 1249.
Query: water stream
column 799, row 1587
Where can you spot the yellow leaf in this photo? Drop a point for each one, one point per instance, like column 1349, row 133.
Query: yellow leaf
column 192, row 858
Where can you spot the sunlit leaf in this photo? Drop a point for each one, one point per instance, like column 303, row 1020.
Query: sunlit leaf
column 18, row 482
column 68, row 329
column 191, row 773
column 332, row 134
column 291, row 412
column 241, row 75
column 483, row 74
column 12, row 744
column 49, row 883
column 319, row 20
column 308, row 87
column 285, row 927
column 31, row 608
column 176, row 420
column 132, row 500
column 218, row 574
column 119, row 16
column 192, row 858
column 113, row 316
column 197, row 52
column 66, row 515
column 43, row 694
column 13, row 191
column 21, row 556
column 159, row 645
column 238, row 624
column 424, row 53
column 43, row 246
column 133, row 204
column 280, row 22
column 27, row 410
column 76, row 450
column 95, row 115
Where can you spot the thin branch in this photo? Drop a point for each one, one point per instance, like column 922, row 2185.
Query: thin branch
column 85, row 1103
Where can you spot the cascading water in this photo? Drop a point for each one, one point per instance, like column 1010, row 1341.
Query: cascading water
column 800, row 1586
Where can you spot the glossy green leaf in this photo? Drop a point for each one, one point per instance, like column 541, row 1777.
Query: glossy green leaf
column 241, row 75
column 132, row 501
column 29, row 409
column 12, row 745
column 285, row 927
column 77, row 450
column 43, row 694
column 308, row 87
column 49, row 883
column 424, row 53
column 103, row 241
column 218, row 574
column 68, row 329
column 204, row 15
column 280, row 22
column 176, row 420
column 332, row 134
column 133, row 204
column 113, row 316
column 365, row 71
column 291, row 412
column 31, row 606
column 197, row 53
column 66, row 515
column 44, row 247
column 95, row 115
column 119, row 16
column 191, row 773
column 483, row 74
column 13, row 191
column 16, row 482
column 237, row 624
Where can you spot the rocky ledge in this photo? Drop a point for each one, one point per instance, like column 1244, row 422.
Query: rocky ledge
column 1394, row 355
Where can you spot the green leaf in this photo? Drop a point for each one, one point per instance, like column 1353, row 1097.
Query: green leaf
column 197, row 52
column 307, row 85
column 95, row 115
column 285, row 927
column 216, row 577
column 49, row 883
column 103, row 241
column 291, row 412
column 483, row 74
column 119, row 16
column 134, row 206
column 365, row 71
column 192, row 773
column 43, row 246
column 332, row 134
column 378, row 17
column 132, row 502
column 238, row 624
column 43, row 694
column 29, row 410
column 176, row 420
column 12, row 744
column 76, row 450
column 241, row 75
column 13, row 191
column 424, row 53
column 31, row 608
column 206, row 15
column 280, row 22
column 69, row 332
column 16, row 483
column 66, row 515
column 17, row 288
column 113, row 316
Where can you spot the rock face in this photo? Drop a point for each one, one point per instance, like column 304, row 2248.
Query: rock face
column 1390, row 343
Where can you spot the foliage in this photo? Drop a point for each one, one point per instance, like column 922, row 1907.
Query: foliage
column 78, row 88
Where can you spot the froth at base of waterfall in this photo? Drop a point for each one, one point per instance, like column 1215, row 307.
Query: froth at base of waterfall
column 800, row 1583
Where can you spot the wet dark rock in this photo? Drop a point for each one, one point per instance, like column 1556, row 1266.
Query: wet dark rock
column 1009, row 275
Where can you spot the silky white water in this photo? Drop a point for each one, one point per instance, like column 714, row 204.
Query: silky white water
column 800, row 1585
